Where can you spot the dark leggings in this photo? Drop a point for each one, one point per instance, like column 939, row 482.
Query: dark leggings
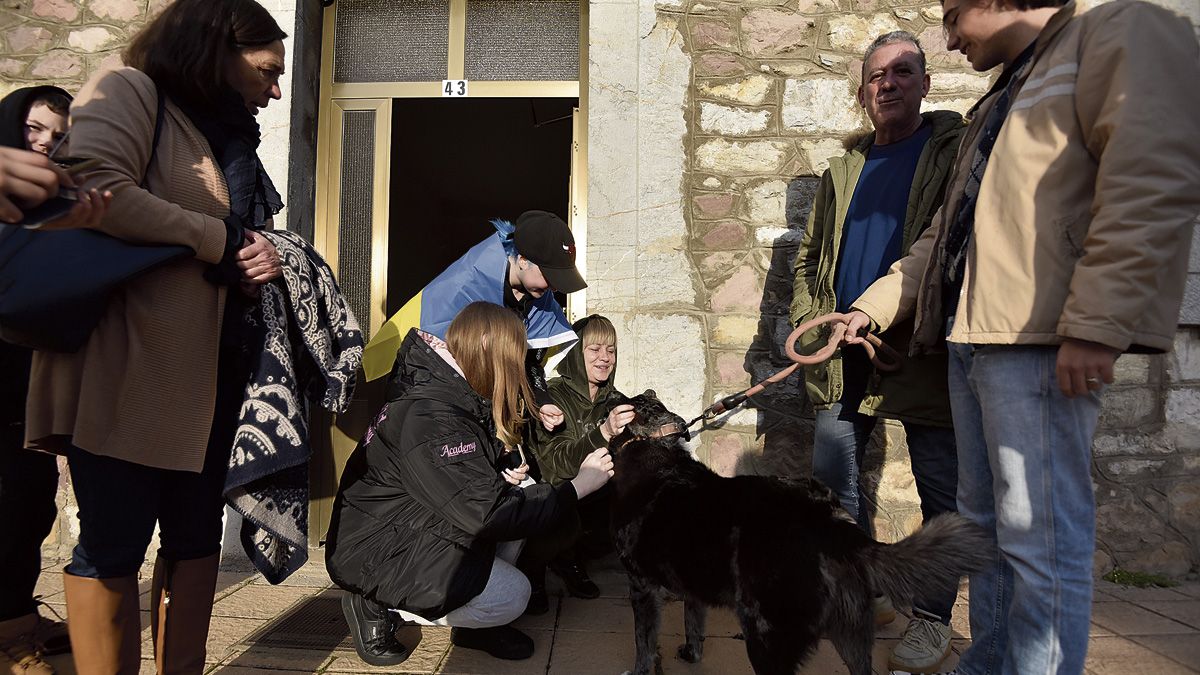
column 120, row 501
column 28, row 481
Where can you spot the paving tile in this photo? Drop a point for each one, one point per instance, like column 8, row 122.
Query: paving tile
column 461, row 661
column 1124, row 618
column 1184, row 649
column 1142, row 595
column 612, row 584
column 545, row 621
column 579, row 653
column 1188, row 588
column 1121, row 656
column 261, row 602
column 276, row 659
column 231, row 669
column 1186, row 611
column 229, row 582
column 224, row 633
column 1103, row 596
column 1099, row 631
column 602, row 615
column 428, row 645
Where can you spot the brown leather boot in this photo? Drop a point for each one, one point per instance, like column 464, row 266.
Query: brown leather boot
column 181, row 601
column 104, row 624
column 19, row 651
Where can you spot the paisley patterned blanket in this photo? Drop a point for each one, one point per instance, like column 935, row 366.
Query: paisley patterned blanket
column 306, row 348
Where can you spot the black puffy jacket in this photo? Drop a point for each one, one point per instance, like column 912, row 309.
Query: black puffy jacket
column 421, row 504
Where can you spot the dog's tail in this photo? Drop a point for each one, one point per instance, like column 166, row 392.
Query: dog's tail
column 929, row 561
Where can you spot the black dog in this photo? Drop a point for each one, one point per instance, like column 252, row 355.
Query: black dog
column 773, row 549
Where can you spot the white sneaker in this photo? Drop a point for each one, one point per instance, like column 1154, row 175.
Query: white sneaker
column 885, row 612
column 922, row 648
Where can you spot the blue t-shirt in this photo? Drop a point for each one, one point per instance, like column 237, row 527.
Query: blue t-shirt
column 874, row 229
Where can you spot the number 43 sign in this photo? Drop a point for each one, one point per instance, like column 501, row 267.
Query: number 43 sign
column 454, row 88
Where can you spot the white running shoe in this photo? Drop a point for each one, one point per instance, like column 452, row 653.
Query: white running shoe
column 923, row 647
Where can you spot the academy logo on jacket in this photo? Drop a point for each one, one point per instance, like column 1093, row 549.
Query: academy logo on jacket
column 449, row 451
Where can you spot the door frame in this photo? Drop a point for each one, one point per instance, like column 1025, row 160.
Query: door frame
column 331, row 444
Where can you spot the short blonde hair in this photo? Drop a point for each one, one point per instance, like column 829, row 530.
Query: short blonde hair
column 597, row 330
column 488, row 342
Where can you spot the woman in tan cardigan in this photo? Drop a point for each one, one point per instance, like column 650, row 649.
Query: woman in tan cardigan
column 146, row 410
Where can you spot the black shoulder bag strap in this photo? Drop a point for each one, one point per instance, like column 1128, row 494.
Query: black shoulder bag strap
column 158, row 125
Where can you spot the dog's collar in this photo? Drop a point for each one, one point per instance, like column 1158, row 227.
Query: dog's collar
column 669, row 429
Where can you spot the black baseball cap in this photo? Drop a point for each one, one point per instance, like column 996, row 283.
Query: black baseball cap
column 546, row 241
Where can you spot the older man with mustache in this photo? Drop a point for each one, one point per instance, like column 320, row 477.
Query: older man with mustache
column 873, row 203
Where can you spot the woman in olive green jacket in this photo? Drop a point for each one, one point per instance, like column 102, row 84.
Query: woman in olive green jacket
column 594, row 413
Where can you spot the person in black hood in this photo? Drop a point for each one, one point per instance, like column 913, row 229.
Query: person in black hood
column 430, row 514
column 594, row 413
column 33, row 118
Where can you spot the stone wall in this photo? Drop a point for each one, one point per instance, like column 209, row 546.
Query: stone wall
column 709, row 123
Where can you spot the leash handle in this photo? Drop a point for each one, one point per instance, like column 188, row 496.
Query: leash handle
column 836, row 340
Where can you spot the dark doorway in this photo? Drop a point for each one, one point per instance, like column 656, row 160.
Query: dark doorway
column 457, row 164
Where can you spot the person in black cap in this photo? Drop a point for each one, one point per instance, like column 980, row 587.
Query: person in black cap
column 519, row 268
column 32, row 120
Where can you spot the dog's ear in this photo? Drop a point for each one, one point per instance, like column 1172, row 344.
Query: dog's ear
column 649, row 393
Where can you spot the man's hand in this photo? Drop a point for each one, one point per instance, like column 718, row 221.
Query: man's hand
column 618, row 418
column 552, row 416
column 1084, row 366
column 857, row 322
column 258, row 260
column 26, row 180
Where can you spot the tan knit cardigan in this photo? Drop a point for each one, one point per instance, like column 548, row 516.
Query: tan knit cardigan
column 143, row 387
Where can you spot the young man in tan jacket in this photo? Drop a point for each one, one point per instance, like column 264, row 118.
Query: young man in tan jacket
column 1062, row 243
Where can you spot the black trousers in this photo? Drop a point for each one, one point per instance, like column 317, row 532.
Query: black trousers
column 28, row 481
column 120, row 501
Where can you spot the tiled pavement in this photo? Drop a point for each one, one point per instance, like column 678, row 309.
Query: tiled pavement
column 1134, row 631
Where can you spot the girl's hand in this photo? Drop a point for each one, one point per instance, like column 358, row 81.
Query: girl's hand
column 516, row 476
column 552, row 416
column 594, row 472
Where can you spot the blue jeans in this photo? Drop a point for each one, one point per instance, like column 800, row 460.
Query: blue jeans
column 840, row 443
column 1025, row 476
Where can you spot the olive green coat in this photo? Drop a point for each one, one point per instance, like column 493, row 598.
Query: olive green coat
column 917, row 392
column 560, row 452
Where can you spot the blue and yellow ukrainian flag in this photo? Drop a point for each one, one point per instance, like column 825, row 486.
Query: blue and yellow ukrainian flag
column 477, row 275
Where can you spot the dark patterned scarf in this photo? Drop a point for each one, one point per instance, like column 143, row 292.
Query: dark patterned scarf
column 233, row 135
column 959, row 234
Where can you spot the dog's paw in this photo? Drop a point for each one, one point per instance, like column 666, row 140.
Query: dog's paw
column 691, row 653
